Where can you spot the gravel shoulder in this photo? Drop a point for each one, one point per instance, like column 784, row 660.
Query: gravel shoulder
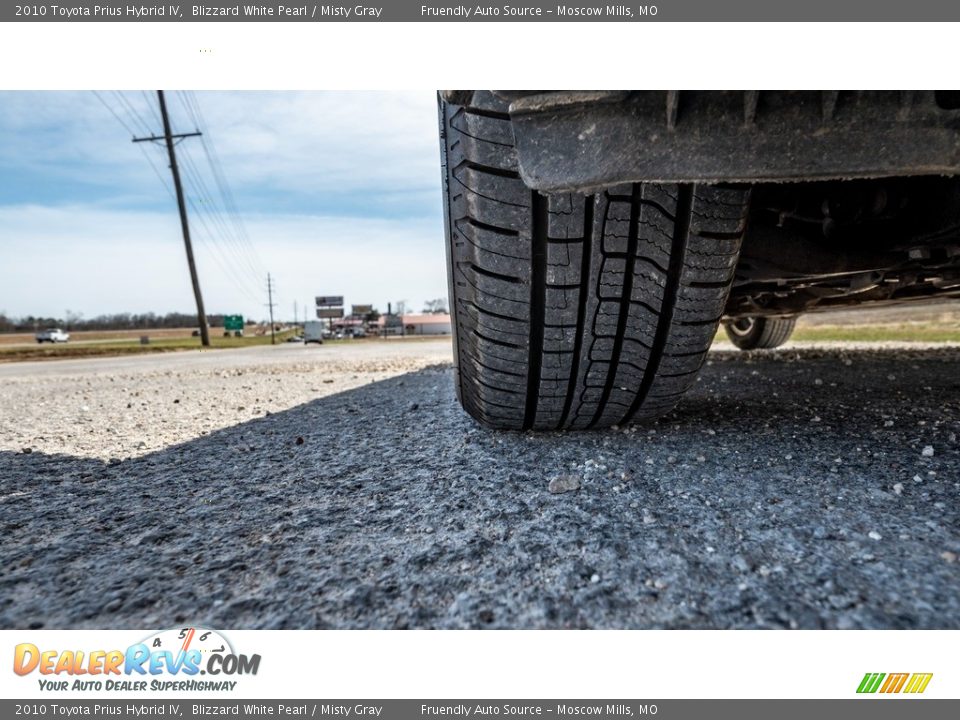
column 123, row 407
column 802, row 488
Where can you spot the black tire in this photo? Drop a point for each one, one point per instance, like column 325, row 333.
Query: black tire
column 759, row 333
column 573, row 311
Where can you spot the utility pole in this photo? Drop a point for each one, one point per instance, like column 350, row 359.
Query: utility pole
column 273, row 339
column 296, row 315
column 169, row 137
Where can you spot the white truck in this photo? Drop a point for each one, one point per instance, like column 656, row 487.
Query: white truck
column 52, row 335
column 313, row 332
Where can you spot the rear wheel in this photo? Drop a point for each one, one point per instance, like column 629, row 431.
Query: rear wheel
column 758, row 333
column 576, row 311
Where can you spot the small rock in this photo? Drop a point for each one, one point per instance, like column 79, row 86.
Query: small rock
column 874, row 535
column 594, row 578
column 176, row 401
column 898, row 488
column 299, row 441
column 26, row 450
column 563, row 484
column 927, row 451
column 950, row 557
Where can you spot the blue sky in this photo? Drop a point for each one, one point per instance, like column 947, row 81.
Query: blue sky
column 339, row 193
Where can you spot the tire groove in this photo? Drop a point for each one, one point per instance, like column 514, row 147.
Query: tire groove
column 645, row 202
column 585, row 252
column 490, row 313
column 487, row 169
column 538, row 302
column 487, row 226
column 494, row 341
column 622, row 316
column 480, row 270
column 670, row 291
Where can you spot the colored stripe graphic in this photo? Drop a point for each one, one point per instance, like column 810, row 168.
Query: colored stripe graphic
column 918, row 682
column 870, row 682
column 894, row 682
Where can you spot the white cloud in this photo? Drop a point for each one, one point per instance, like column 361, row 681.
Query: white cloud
column 303, row 144
column 101, row 261
column 311, row 142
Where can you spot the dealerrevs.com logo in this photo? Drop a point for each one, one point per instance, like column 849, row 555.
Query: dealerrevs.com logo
column 170, row 660
column 889, row 683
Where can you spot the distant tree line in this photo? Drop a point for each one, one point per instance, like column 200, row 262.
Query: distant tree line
column 116, row 321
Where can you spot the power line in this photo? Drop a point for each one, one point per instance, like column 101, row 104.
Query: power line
column 126, row 127
column 114, row 113
column 209, row 147
column 149, row 104
column 138, row 120
column 217, row 217
column 224, row 213
column 220, row 256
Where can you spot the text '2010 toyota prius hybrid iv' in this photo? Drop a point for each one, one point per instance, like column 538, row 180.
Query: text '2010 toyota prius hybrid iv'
column 596, row 240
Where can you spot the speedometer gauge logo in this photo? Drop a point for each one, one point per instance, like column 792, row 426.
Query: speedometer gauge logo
column 182, row 640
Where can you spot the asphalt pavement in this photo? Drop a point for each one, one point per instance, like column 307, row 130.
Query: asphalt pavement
column 802, row 488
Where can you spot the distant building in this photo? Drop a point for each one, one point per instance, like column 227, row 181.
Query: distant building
column 423, row 324
column 428, row 324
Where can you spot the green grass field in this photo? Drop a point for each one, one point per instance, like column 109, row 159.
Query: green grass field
column 131, row 346
column 903, row 332
column 921, row 332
